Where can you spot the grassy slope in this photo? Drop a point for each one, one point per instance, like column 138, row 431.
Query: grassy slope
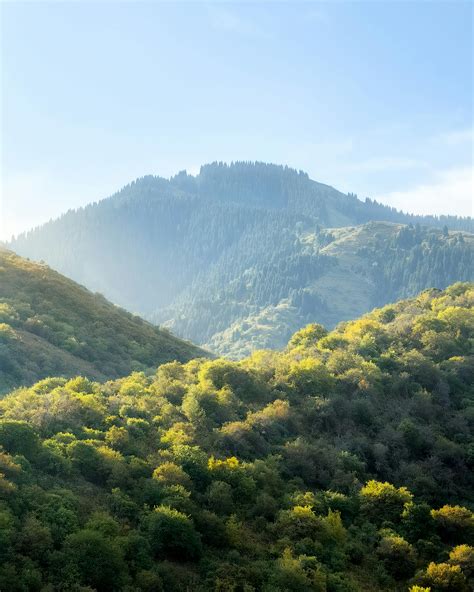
column 349, row 285
column 51, row 325
column 348, row 288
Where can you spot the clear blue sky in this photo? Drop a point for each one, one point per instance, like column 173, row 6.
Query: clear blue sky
column 374, row 98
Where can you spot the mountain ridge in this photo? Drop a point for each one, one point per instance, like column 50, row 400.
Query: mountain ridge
column 190, row 247
column 187, row 182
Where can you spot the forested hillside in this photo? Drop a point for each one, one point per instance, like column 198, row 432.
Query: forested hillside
column 344, row 463
column 51, row 326
column 258, row 300
column 241, row 256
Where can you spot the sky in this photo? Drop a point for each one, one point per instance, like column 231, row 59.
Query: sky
column 374, row 98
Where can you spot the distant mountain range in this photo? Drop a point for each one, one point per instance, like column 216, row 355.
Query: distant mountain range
column 242, row 255
column 50, row 325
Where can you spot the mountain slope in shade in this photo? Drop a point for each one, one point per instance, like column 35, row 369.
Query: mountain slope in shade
column 328, row 276
column 49, row 325
column 245, row 243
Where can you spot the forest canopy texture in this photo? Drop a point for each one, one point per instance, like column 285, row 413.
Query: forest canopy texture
column 343, row 463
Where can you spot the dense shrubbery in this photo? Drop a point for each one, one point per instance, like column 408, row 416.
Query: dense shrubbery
column 341, row 464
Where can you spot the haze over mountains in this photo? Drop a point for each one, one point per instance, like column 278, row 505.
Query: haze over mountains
column 342, row 463
column 50, row 325
column 242, row 255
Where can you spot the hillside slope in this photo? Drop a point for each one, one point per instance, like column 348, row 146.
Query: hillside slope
column 328, row 276
column 50, row 326
column 206, row 255
column 343, row 463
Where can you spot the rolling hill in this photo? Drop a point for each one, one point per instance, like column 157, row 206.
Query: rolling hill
column 51, row 326
column 342, row 463
column 242, row 255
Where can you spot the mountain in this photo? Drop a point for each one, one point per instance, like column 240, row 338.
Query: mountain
column 50, row 325
column 242, row 255
column 343, row 463
column 328, row 276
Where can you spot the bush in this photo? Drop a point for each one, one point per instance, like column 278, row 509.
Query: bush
column 398, row 556
column 17, row 437
column 463, row 555
column 443, row 577
column 96, row 559
column 455, row 523
column 172, row 534
column 383, row 501
column 298, row 523
column 292, row 574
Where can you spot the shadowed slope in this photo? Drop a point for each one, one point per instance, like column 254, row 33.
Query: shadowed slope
column 50, row 325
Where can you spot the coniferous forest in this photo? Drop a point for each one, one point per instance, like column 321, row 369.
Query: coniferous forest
column 342, row 463
column 241, row 256
column 232, row 376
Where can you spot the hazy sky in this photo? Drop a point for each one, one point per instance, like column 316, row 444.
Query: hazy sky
column 373, row 98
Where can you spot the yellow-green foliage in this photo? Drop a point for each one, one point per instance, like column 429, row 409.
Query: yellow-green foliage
column 454, row 522
column 444, row 577
column 383, row 501
column 463, row 555
column 341, row 464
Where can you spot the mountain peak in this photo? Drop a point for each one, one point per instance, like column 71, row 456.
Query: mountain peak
column 218, row 256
